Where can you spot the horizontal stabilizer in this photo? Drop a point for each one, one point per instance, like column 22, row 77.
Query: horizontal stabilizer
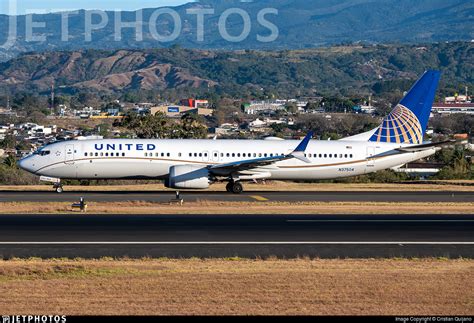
column 431, row 145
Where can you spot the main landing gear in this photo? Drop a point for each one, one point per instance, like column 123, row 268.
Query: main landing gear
column 234, row 187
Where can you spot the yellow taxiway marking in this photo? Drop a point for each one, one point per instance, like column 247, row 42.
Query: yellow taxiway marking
column 259, row 198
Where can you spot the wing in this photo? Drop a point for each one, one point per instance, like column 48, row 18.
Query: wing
column 243, row 165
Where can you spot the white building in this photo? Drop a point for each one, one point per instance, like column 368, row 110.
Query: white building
column 453, row 108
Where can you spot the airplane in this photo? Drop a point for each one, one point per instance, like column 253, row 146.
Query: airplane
column 196, row 164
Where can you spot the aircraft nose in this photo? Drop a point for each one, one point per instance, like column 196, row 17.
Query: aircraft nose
column 26, row 164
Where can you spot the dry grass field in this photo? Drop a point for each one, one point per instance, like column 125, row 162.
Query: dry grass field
column 237, row 286
column 467, row 186
column 256, row 207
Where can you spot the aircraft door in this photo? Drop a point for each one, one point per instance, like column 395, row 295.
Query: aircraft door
column 70, row 154
column 370, row 155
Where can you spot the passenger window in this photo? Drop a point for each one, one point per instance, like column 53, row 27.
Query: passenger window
column 179, row 154
column 238, row 155
column 195, row 154
column 168, row 154
column 228, row 155
column 85, row 154
column 101, row 154
column 345, row 156
column 123, row 154
column 325, row 156
column 244, row 155
column 200, row 154
column 190, row 154
column 351, row 155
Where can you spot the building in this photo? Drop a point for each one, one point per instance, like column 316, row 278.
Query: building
column 177, row 110
column 86, row 112
column 226, row 129
column 454, row 105
column 256, row 107
column 193, row 103
column 367, row 109
column 453, row 108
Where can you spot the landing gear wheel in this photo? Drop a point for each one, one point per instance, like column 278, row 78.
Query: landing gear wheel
column 59, row 189
column 228, row 187
column 237, row 188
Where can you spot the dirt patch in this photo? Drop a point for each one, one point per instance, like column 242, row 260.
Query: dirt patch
column 237, row 286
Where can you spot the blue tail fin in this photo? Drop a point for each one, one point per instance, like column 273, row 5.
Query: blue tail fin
column 407, row 123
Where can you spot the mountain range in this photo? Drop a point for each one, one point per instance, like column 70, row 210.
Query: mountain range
column 288, row 72
column 300, row 24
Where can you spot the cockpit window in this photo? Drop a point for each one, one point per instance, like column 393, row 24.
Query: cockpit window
column 44, row 152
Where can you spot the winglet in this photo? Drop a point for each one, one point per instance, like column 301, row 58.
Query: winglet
column 298, row 153
column 303, row 144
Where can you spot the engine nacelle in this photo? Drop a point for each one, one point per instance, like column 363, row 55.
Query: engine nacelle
column 188, row 176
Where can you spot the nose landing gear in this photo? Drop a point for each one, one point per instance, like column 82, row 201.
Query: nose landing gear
column 234, row 187
column 58, row 188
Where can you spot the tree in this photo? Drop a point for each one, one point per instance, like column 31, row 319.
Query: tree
column 291, row 108
column 146, row 127
column 9, row 142
column 10, row 161
column 192, row 127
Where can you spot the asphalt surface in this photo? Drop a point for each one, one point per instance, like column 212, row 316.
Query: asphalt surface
column 161, row 196
column 286, row 236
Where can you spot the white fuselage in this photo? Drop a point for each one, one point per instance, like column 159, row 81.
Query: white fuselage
column 142, row 159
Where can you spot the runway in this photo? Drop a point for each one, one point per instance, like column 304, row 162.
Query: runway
column 285, row 236
column 165, row 196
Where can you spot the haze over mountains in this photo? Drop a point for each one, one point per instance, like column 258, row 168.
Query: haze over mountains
column 301, row 24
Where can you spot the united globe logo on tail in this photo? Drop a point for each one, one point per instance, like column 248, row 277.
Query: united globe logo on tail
column 401, row 126
column 407, row 123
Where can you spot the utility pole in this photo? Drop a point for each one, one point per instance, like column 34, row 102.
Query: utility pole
column 52, row 98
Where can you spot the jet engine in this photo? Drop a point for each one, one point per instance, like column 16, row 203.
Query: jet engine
column 188, row 176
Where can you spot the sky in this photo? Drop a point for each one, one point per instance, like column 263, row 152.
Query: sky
column 41, row 6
